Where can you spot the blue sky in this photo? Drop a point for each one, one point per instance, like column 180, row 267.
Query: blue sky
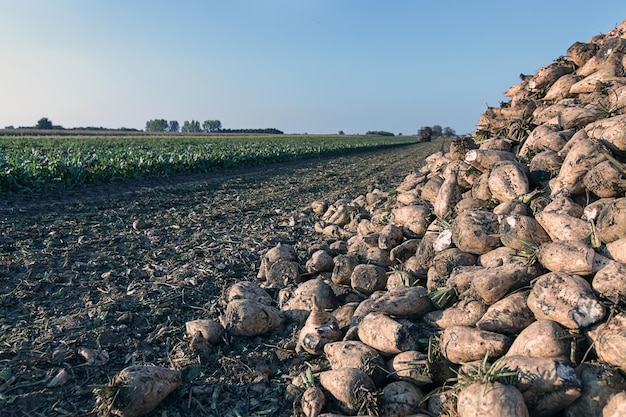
column 315, row 66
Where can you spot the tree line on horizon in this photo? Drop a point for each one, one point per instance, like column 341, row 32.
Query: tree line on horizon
column 424, row 132
column 436, row 131
column 46, row 124
column 215, row 126
column 194, row 126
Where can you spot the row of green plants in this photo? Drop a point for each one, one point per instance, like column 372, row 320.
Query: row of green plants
column 34, row 163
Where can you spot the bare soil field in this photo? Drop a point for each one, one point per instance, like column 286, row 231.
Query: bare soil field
column 98, row 278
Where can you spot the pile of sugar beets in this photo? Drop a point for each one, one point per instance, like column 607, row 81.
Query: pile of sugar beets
column 490, row 282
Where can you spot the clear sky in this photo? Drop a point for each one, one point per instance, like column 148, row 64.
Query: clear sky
column 315, row 66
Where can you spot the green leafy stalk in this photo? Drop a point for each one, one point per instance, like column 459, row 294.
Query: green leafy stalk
column 442, row 297
column 485, row 373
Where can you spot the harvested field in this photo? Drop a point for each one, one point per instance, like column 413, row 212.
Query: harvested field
column 98, row 278
column 389, row 283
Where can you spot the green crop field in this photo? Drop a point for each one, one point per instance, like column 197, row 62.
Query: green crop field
column 39, row 162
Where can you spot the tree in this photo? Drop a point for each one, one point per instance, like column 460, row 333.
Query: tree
column 436, row 130
column 156, row 125
column 448, row 132
column 173, row 126
column 211, row 125
column 341, row 132
column 191, row 127
column 44, row 123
